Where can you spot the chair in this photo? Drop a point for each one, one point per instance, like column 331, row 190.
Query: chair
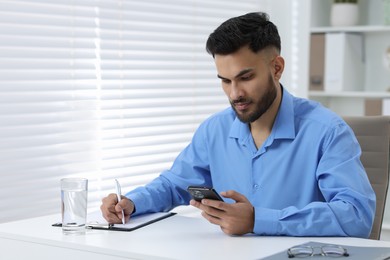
column 373, row 133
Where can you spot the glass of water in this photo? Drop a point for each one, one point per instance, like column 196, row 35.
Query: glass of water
column 74, row 198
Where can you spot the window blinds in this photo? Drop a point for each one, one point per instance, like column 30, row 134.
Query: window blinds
column 100, row 89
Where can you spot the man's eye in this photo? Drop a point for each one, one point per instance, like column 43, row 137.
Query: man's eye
column 226, row 81
column 248, row 77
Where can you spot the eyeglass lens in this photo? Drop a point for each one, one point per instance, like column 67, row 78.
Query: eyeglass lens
column 334, row 251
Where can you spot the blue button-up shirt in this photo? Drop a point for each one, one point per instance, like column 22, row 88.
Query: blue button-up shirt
column 305, row 180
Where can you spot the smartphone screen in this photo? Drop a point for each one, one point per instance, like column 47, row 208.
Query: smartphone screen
column 198, row 193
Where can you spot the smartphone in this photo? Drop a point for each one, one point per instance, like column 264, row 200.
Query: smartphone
column 198, row 193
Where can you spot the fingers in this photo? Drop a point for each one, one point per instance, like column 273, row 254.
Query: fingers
column 234, row 195
column 112, row 209
column 122, row 204
column 213, row 208
column 234, row 219
column 127, row 206
column 209, row 213
column 108, row 208
column 212, row 219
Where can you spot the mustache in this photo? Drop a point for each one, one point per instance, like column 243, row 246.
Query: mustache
column 240, row 100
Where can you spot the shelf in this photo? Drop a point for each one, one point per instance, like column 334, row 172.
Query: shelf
column 359, row 29
column 350, row 94
column 361, row 81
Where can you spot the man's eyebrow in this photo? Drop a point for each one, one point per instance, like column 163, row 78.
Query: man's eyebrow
column 219, row 76
column 244, row 71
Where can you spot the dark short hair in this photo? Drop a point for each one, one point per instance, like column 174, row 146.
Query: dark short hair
column 252, row 29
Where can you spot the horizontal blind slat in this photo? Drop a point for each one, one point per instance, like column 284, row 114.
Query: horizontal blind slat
column 101, row 89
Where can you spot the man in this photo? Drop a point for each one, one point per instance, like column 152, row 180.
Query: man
column 285, row 165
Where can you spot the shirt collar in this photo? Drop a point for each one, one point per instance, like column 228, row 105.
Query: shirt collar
column 284, row 126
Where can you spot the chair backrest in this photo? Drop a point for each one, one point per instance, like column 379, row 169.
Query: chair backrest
column 373, row 133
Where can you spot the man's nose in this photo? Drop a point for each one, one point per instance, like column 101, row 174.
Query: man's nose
column 235, row 91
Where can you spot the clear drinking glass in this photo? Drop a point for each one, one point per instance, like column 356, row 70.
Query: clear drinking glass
column 74, row 198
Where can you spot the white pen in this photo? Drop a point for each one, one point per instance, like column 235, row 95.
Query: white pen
column 118, row 194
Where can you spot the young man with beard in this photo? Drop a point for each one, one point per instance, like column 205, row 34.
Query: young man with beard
column 285, row 165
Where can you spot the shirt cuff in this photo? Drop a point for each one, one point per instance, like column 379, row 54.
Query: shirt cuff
column 138, row 202
column 266, row 221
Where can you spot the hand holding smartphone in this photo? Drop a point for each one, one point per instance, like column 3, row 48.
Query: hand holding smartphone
column 198, row 193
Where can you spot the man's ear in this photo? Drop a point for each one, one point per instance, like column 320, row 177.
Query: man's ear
column 278, row 66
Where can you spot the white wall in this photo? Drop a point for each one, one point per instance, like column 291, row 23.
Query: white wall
column 290, row 16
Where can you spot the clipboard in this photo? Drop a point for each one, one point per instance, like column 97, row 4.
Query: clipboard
column 95, row 220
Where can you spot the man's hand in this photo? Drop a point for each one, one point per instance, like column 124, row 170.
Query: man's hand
column 112, row 210
column 234, row 219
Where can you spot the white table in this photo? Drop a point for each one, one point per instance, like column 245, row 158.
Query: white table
column 177, row 237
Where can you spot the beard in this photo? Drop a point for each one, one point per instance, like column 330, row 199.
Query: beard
column 261, row 106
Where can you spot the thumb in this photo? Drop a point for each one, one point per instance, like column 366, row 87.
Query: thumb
column 234, row 195
column 127, row 205
column 118, row 208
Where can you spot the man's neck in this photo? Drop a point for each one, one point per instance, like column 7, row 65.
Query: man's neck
column 262, row 127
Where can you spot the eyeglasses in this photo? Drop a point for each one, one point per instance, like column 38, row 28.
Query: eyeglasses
column 308, row 251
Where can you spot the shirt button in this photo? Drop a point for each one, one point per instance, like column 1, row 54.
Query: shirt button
column 256, row 186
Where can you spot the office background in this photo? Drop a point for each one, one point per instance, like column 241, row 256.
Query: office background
column 106, row 89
